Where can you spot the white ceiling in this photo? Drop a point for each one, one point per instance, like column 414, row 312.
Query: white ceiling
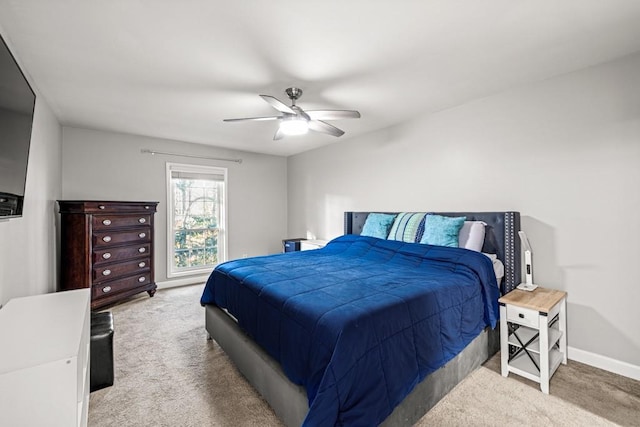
column 175, row 69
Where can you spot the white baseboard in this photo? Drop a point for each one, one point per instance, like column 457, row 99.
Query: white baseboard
column 603, row 362
column 191, row 280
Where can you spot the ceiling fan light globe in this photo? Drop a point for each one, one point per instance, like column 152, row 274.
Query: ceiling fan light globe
column 294, row 127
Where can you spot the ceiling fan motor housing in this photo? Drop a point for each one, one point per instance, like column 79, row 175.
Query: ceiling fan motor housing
column 293, row 93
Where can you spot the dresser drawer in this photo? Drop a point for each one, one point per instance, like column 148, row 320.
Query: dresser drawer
column 106, row 238
column 100, row 207
column 108, row 272
column 108, row 255
column 107, row 222
column 522, row 316
column 121, row 285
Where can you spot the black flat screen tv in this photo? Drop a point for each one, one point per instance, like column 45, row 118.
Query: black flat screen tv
column 17, row 102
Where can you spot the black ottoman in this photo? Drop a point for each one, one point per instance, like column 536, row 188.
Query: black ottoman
column 101, row 350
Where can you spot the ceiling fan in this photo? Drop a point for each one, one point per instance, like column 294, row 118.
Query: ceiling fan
column 296, row 121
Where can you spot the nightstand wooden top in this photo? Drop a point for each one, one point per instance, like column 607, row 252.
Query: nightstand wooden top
column 540, row 299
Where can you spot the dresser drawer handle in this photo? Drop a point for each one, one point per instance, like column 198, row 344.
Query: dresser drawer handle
column 142, row 250
column 141, row 279
column 520, row 315
column 146, row 207
column 142, row 235
column 106, row 289
column 101, row 207
column 106, row 272
column 142, row 220
column 142, row 264
column 106, row 255
column 106, row 239
column 106, row 221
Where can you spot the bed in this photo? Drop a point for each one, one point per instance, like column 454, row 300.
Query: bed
column 293, row 327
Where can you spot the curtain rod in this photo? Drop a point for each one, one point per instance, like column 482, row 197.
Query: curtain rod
column 147, row 151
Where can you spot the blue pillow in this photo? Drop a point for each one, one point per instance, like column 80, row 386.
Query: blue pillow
column 377, row 225
column 442, row 230
column 407, row 226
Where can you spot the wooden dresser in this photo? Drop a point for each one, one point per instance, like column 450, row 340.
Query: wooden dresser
column 108, row 247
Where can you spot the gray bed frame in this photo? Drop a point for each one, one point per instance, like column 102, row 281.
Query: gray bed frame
column 289, row 401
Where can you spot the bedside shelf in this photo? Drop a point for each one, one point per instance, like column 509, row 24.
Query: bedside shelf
column 525, row 334
column 523, row 366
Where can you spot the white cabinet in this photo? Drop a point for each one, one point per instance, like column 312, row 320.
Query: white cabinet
column 44, row 360
column 533, row 340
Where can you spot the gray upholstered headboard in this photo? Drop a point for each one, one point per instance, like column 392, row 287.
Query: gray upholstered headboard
column 501, row 238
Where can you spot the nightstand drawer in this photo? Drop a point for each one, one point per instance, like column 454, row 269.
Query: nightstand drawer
column 522, row 316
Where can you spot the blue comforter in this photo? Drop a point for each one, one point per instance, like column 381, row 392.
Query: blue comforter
column 360, row 322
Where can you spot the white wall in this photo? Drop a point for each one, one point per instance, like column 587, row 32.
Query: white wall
column 28, row 245
column 564, row 152
column 110, row 166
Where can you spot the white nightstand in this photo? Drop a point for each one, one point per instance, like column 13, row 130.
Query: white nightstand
column 533, row 326
column 306, row 245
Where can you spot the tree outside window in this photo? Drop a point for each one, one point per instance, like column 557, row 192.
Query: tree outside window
column 196, row 217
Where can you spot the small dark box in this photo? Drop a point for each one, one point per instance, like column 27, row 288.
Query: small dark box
column 292, row 245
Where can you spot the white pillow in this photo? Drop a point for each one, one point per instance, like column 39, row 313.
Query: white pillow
column 472, row 235
column 498, row 266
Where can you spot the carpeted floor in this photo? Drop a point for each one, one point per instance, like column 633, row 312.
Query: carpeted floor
column 168, row 374
column 489, row 394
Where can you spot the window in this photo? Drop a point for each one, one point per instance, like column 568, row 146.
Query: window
column 196, row 218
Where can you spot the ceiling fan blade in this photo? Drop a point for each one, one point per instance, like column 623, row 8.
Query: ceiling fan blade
column 258, row 119
column 278, row 105
column 278, row 135
column 332, row 114
column 320, row 126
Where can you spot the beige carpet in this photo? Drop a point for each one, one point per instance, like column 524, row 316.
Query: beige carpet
column 485, row 398
column 168, row 374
